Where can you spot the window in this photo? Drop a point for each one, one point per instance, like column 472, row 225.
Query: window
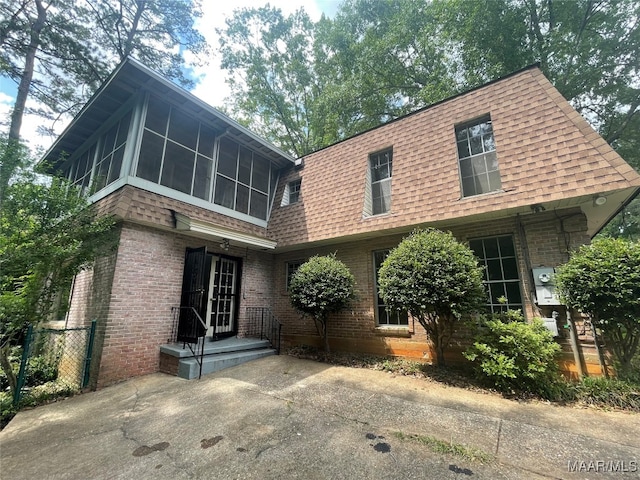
column 477, row 157
column 292, row 268
column 380, row 174
column 384, row 316
column 498, row 257
column 100, row 164
column 294, row 191
column 179, row 152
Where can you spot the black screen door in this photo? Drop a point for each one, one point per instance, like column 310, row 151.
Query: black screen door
column 194, row 295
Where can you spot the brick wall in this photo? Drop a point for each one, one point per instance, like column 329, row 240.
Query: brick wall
column 132, row 294
column 541, row 239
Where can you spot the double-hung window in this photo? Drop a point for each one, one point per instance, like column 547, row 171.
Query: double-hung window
column 292, row 268
column 380, row 171
column 384, row 316
column 477, row 157
column 498, row 257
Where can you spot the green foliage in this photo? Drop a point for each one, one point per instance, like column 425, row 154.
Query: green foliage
column 48, row 234
column 434, row 278
column 321, row 286
column 517, row 357
column 608, row 392
column 603, row 281
column 59, row 52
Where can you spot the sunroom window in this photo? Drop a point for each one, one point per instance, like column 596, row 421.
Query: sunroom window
column 101, row 163
column 181, row 153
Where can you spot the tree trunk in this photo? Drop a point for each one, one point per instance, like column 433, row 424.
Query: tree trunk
column 27, row 73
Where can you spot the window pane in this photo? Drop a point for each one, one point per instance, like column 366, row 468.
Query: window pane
column 183, row 129
column 228, row 158
column 482, row 183
column 150, row 157
column 177, row 170
column 494, row 181
column 102, row 171
column 478, row 165
column 488, row 143
column 468, row 186
column 244, row 167
column 463, row 149
column 116, row 164
column 258, row 207
column 202, row 180
column 475, row 144
column 260, row 175
column 506, row 247
column 157, row 115
column 225, row 192
column 491, row 247
column 497, row 291
column 492, row 161
column 510, row 268
column 242, row 199
column 123, row 130
column 513, row 293
column 206, row 141
column 495, row 269
column 461, row 134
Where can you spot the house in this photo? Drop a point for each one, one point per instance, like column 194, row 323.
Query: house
column 216, row 220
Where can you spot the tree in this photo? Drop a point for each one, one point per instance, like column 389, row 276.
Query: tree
column 51, row 47
column 603, row 281
column 48, row 234
column 274, row 87
column 321, row 286
column 436, row 280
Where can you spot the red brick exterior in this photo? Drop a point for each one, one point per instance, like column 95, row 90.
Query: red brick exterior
column 131, row 296
column 552, row 165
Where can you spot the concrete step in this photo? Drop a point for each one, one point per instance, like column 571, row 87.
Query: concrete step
column 188, row 367
column 226, row 345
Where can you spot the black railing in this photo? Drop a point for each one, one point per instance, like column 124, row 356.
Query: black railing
column 189, row 329
column 262, row 324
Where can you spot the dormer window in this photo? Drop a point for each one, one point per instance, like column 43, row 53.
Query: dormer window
column 477, row 157
column 378, row 195
column 291, row 193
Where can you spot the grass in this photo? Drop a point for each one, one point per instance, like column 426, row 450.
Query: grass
column 447, row 448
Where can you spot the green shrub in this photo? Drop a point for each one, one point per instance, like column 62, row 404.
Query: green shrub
column 434, row 278
column 321, row 286
column 603, row 280
column 517, row 357
column 608, row 392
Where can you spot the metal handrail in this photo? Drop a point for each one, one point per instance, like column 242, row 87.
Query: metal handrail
column 200, row 338
column 262, row 323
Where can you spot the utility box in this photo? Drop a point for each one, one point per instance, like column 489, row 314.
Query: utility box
column 544, row 279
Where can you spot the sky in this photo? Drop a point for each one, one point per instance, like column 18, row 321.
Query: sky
column 211, row 87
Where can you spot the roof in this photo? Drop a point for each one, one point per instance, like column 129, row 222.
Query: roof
column 548, row 155
column 127, row 80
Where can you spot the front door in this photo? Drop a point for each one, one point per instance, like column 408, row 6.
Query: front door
column 193, row 300
column 222, row 304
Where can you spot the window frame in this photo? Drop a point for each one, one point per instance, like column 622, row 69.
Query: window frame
column 485, row 160
column 402, row 318
column 294, row 191
column 290, row 268
column 376, row 203
column 485, row 261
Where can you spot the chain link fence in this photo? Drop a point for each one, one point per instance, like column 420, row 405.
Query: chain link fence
column 54, row 362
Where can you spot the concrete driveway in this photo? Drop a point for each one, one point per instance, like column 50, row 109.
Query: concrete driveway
column 281, row 418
